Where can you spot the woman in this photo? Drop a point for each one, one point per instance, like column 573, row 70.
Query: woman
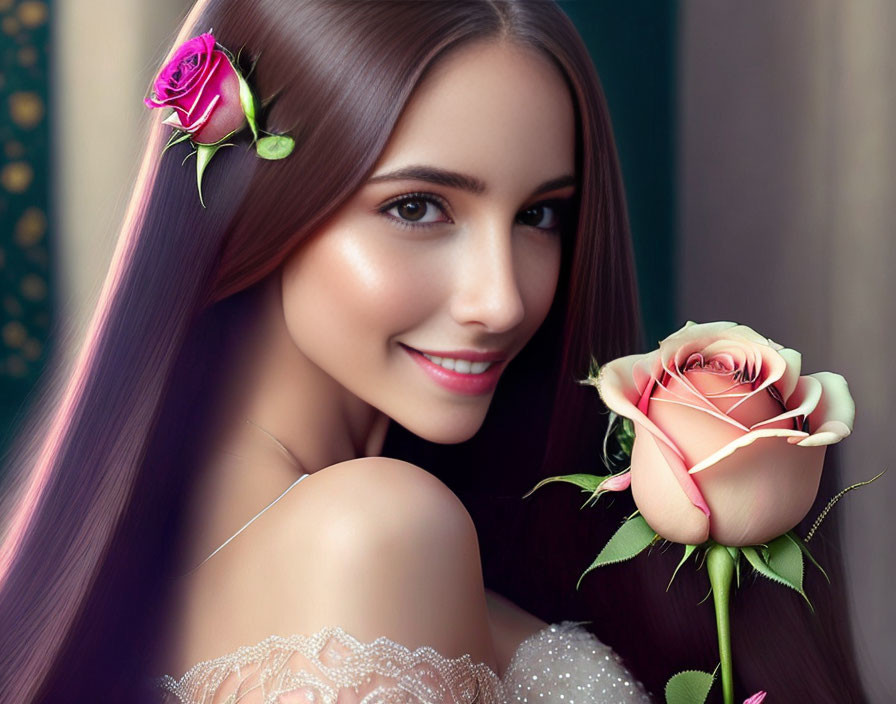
column 264, row 343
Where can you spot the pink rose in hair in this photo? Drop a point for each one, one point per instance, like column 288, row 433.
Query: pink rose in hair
column 729, row 438
column 202, row 87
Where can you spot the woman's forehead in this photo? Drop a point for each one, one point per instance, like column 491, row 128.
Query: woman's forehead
column 494, row 110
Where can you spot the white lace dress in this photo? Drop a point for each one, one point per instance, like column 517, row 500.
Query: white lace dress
column 560, row 664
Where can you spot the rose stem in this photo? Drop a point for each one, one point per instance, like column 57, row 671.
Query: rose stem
column 720, row 566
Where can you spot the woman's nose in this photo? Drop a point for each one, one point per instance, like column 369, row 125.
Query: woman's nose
column 486, row 290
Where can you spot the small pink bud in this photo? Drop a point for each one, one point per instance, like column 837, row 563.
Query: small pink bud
column 616, row 482
column 757, row 698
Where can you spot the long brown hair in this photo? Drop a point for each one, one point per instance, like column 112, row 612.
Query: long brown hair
column 98, row 508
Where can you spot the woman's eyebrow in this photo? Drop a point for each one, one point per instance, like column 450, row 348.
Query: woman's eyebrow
column 454, row 179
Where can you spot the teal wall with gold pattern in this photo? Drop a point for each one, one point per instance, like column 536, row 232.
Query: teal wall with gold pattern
column 25, row 273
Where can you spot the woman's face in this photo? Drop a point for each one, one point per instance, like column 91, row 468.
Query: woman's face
column 452, row 247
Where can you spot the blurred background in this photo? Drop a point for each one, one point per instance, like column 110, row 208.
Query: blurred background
column 759, row 159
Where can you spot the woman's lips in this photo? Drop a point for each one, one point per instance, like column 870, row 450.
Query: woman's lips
column 467, row 384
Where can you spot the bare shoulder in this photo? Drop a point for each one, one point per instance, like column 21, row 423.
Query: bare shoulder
column 511, row 625
column 381, row 488
column 379, row 547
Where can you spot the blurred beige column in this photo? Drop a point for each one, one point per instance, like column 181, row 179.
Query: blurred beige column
column 105, row 53
column 788, row 178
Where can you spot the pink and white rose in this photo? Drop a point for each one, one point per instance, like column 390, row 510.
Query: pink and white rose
column 729, row 438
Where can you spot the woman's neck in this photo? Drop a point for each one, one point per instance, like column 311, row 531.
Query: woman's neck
column 300, row 421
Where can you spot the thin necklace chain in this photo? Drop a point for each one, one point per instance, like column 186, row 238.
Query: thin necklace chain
column 303, row 474
column 292, row 457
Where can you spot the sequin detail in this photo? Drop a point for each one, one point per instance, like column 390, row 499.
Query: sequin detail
column 566, row 664
column 560, row 664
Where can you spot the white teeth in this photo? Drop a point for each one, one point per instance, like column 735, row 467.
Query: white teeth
column 462, row 366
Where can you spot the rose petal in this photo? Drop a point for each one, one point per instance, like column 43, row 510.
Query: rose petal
column 174, row 120
column 743, row 441
column 200, row 90
column 787, row 383
column 757, row 698
column 834, row 416
column 199, row 123
column 228, row 115
column 715, row 413
column 647, row 369
column 683, row 388
column 765, row 361
column 770, row 369
column 617, row 389
column 660, row 496
column 696, row 432
column 692, row 329
column 203, row 46
column 804, row 399
column 760, row 491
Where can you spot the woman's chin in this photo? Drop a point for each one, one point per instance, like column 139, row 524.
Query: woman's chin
column 446, row 432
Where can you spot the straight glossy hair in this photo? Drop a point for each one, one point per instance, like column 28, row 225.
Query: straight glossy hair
column 104, row 469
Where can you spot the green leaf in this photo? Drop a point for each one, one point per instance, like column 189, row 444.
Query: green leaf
column 204, row 153
column 586, row 482
column 689, row 687
column 174, row 139
column 632, row 537
column 786, row 559
column 625, row 435
column 276, row 146
column 754, row 558
column 688, row 551
column 247, row 102
column 805, row 550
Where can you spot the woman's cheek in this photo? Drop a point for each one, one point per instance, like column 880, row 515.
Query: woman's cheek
column 538, row 274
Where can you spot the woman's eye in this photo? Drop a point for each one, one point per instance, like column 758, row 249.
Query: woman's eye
column 416, row 209
column 545, row 216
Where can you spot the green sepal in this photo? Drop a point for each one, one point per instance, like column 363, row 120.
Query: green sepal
column 605, row 456
column 688, row 551
column 247, row 102
column 276, row 146
column 786, row 559
column 735, row 556
column 593, row 373
column 689, row 687
column 755, row 559
column 805, row 550
column 175, row 139
column 705, row 598
column 632, row 537
column 204, row 153
column 586, row 482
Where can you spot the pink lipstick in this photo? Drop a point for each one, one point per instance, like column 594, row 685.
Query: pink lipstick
column 468, row 384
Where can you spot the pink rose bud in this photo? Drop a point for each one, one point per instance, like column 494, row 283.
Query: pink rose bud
column 729, row 438
column 202, row 87
column 616, row 482
column 757, row 698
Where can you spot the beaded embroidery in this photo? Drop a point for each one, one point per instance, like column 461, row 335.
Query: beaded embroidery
column 560, row 663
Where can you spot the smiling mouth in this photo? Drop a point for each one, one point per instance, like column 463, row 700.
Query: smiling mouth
column 461, row 361
column 464, row 376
